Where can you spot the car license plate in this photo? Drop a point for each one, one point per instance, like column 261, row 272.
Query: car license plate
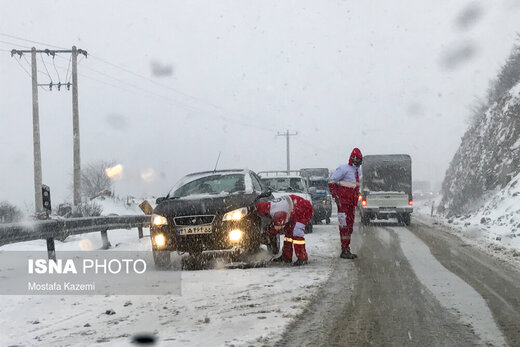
column 194, row 230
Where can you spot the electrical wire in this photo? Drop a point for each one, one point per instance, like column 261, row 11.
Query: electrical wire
column 45, row 65
column 68, row 67
column 28, row 73
column 53, row 63
column 221, row 109
column 26, row 40
column 23, row 68
column 15, row 44
column 237, row 121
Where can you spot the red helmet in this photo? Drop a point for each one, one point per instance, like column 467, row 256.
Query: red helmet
column 263, row 208
column 279, row 218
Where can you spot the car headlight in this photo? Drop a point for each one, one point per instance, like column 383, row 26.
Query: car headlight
column 237, row 214
column 235, row 235
column 159, row 240
column 158, row 220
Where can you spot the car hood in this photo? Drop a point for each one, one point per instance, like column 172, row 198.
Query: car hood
column 206, row 205
column 301, row 195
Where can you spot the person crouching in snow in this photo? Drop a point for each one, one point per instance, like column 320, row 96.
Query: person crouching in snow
column 290, row 215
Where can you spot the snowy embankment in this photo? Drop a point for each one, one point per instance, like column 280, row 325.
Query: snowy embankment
column 216, row 307
column 494, row 228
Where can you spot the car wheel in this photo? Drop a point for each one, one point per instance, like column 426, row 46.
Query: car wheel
column 327, row 220
column 365, row 220
column 308, row 228
column 162, row 259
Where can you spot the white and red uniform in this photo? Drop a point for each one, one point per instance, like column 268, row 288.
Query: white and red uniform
column 290, row 215
column 344, row 187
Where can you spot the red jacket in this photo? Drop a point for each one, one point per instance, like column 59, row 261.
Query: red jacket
column 298, row 209
column 344, row 182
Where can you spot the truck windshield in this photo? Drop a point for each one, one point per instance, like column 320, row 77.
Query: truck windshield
column 387, row 176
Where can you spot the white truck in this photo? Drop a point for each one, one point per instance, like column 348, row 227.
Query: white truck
column 386, row 188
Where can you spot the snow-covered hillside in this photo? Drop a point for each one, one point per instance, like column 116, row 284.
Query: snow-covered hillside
column 481, row 184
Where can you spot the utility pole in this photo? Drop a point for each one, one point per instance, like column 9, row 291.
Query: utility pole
column 75, row 128
column 38, row 201
column 36, row 122
column 287, row 134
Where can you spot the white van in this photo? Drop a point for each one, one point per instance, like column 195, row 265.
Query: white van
column 386, row 188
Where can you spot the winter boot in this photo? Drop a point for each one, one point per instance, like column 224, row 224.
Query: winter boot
column 300, row 262
column 346, row 254
column 281, row 259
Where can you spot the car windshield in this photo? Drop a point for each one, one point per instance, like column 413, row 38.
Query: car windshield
column 285, row 184
column 211, row 185
column 319, row 184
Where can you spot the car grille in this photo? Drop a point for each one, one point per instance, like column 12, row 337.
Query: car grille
column 194, row 220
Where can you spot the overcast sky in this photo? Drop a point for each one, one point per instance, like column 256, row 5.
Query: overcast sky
column 384, row 76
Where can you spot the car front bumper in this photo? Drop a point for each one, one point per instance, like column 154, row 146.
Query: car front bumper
column 218, row 239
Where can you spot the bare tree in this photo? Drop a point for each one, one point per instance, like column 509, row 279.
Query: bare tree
column 94, row 180
column 9, row 213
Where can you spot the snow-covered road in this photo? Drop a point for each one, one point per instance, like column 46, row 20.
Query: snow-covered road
column 410, row 286
column 217, row 306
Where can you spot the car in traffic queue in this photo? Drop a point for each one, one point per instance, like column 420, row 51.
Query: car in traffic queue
column 321, row 199
column 318, row 182
column 287, row 183
column 211, row 211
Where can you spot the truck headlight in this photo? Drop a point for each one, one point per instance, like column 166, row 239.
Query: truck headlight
column 237, row 214
column 158, row 220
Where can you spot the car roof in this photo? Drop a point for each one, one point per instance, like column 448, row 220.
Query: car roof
column 230, row 171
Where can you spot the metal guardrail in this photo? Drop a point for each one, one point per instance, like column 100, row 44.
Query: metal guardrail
column 61, row 228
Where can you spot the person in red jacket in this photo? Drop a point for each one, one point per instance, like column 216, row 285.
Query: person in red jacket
column 290, row 215
column 344, row 187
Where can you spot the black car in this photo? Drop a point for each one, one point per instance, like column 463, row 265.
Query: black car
column 209, row 211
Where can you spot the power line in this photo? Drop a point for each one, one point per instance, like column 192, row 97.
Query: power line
column 220, row 108
column 27, row 72
column 45, row 65
column 53, row 63
column 14, row 44
column 163, row 98
column 68, row 67
column 27, row 40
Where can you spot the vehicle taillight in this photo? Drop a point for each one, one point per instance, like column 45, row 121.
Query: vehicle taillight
column 410, row 202
column 363, row 203
column 360, row 197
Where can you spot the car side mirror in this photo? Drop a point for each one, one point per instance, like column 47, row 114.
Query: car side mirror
column 265, row 194
column 313, row 190
column 159, row 200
